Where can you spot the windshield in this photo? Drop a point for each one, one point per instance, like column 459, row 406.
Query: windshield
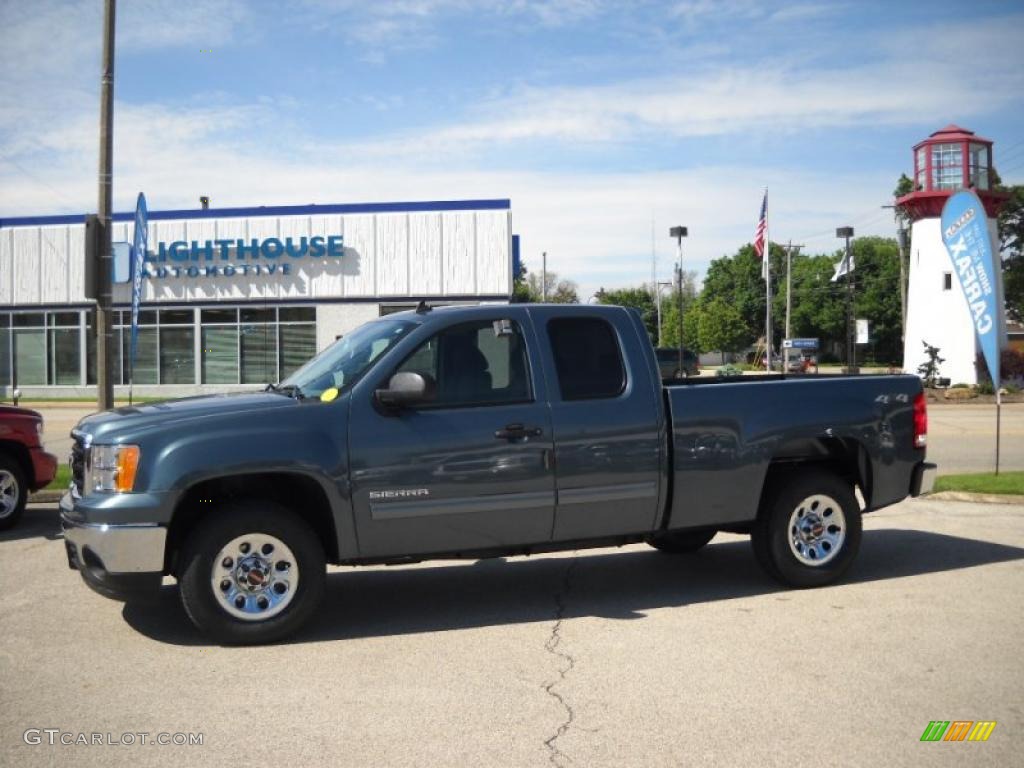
column 344, row 362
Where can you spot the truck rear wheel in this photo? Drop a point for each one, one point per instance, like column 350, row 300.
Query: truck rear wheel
column 13, row 492
column 252, row 573
column 809, row 530
column 681, row 542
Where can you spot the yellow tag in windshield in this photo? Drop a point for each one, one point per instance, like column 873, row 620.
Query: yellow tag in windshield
column 329, row 394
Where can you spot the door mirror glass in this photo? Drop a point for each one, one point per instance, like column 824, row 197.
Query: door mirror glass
column 407, row 389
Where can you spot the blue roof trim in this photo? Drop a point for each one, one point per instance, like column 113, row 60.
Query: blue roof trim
column 274, row 210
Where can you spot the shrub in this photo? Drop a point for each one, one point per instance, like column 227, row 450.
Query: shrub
column 729, row 370
column 984, row 388
column 961, row 385
column 1011, row 367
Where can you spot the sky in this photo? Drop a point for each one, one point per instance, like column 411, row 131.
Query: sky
column 605, row 123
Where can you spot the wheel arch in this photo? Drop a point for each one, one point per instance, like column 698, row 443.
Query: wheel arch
column 843, row 456
column 19, row 453
column 299, row 492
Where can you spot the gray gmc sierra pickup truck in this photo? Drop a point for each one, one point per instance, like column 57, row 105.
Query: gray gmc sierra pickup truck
column 478, row 432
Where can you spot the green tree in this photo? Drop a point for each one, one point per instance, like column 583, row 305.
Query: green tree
column 720, row 327
column 737, row 281
column 670, row 313
column 1011, row 247
column 638, row 298
column 527, row 288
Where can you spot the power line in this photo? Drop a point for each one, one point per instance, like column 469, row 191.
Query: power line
column 36, row 179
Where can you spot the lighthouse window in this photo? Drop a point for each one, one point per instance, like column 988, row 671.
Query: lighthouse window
column 947, row 166
column 920, row 167
column 947, row 281
column 979, row 166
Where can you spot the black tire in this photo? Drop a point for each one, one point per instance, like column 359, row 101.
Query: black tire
column 14, row 491
column 681, row 542
column 678, row 374
column 771, row 534
column 206, row 608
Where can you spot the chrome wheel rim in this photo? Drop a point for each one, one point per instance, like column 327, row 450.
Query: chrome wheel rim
column 8, row 493
column 817, row 530
column 254, row 577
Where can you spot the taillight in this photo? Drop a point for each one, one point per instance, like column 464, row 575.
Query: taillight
column 920, row 421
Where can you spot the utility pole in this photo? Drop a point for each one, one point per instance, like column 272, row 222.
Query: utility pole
column 789, row 298
column 104, row 331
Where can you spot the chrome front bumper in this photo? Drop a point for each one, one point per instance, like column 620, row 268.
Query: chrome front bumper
column 115, row 549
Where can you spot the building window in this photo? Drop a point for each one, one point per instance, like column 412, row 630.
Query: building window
column 947, row 166
column 947, row 281
column 63, row 354
column 258, row 347
column 921, row 168
column 219, row 339
column 5, row 349
column 247, row 346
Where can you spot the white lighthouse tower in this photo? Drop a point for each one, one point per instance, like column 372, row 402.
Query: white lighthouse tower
column 937, row 312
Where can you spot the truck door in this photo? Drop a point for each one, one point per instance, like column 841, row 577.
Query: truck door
column 605, row 411
column 469, row 471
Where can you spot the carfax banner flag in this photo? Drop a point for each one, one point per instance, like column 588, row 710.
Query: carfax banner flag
column 140, row 243
column 965, row 233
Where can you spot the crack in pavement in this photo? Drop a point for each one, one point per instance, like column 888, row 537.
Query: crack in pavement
column 555, row 755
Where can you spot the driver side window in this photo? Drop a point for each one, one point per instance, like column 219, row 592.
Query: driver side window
column 478, row 363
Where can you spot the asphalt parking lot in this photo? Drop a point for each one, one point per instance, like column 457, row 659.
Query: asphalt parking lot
column 600, row 658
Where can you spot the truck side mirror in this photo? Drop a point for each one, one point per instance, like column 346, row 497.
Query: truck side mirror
column 407, row 389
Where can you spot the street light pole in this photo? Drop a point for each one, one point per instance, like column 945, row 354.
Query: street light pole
column 851, row 360
column 679, row 233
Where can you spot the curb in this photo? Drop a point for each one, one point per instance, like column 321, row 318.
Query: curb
column 45, row 497
column 981, row 498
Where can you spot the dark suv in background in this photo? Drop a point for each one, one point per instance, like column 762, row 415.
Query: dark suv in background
column 668, row 364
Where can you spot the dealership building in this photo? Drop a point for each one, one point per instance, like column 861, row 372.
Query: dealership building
column 235, row 298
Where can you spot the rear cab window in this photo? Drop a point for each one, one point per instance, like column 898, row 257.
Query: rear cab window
column 588, row 359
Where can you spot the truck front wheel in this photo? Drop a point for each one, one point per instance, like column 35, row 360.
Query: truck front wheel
column 809, row 530
column 251, row 573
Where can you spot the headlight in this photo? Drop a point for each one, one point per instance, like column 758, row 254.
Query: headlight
column 112, row 468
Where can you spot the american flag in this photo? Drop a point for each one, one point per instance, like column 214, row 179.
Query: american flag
column 762, row 228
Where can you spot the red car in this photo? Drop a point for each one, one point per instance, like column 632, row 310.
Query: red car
column 24, row 465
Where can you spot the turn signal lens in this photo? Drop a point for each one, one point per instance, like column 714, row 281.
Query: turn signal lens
column 127, row 466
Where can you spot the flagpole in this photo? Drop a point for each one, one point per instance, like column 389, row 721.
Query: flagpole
column 767, row 284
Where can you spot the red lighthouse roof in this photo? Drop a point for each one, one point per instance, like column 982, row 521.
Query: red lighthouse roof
column 952, row 132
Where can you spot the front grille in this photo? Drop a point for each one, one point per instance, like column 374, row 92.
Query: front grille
column 78, row 451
